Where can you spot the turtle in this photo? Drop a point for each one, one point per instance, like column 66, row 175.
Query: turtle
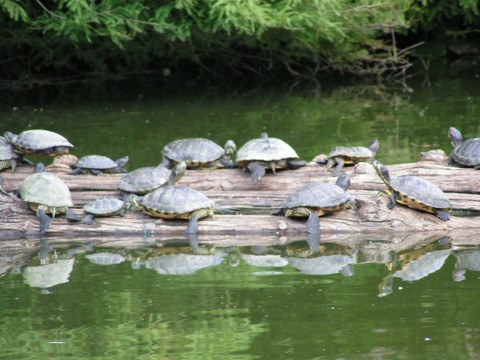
column 45, row 193
column 8, row 157
column 147, row 179
column 103, row 207
column 414, row 192
column 465, row 153
column 38, row 142
column 199, row 153
column 177, row 202
column 98, row 164
column 318, row 199
column 265, row 152
column 342, row 155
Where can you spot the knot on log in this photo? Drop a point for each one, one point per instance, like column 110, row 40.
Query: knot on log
column 436, row 156
column 363, row 168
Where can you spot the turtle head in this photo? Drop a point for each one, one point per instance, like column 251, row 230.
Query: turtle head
column 177, row 172
column 455, row 137
column 9, row 137
column 39, row 167
column 122, row 161
column 374, row 146
column 230, row 148
column 382, row 171
column 343, row 181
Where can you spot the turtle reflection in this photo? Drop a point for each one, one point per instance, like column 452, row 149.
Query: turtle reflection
column 180, row 260
column 49, row 268
column 466, row 260
column 416, row 264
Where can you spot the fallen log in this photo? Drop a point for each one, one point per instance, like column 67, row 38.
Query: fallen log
column 233, row 189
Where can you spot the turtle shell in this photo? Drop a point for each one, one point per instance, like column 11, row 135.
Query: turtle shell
column 194, row 151
column 467, row 153
column 317, row 195
column 175, row 202
column 99, row 162
column 104, row 207
column 45, row 189
column 353, row 153
column 417, row 193
column 265, row 149
column 144, row 180
column 33, row 141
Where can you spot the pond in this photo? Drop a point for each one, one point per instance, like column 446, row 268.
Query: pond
column 80, row 299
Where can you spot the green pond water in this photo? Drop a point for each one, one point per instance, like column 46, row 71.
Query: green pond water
column 365, row 302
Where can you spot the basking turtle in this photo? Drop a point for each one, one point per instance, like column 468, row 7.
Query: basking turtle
column 177, row 202
column 318, row 199
column 103, row 207
column 343, row 155
column 414, row 192
column 465, row 153
column 38, row 142
column 147, row 179
column 46, row 194
column 263, row 153
column 8, row 157
column 198, row 153
column 98, row 164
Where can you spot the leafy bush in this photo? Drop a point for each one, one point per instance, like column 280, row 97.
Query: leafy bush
column 73, row 39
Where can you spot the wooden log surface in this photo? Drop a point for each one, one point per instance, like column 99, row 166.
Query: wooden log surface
column 233, row 189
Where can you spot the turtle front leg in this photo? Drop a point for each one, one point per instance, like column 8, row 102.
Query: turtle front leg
column 192, row 224
column 88, row 219
column 257, row 170
column 338, row 169
column 392, row 200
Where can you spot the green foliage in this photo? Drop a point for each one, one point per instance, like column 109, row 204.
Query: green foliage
column 14, row 10
column 446, row 18
column 260, row 36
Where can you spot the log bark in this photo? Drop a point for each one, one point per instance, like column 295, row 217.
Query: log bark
column 233, row 189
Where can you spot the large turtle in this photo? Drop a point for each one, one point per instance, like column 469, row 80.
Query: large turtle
column 103, row 207
column 343, row 155
column 98, row 164
column 198, row 153
column 8, row 157
column 38, row 142
column 46, row 194
column 177, row 202
column 465, row 153
column 414, row 192
column 147, row 179
column 318, row 199
column 265, row 152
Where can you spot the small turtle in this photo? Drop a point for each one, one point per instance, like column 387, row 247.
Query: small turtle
column 318, row 199
column 98, row 164
column 147, row 179
column 465, row 153
column 8, row 157
column 414, row 192
column 199, row 153
column 177, row 202
column 103, row 207
column 342, row 155
column 38, row 142
column 46, row 194
column 257, row 155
